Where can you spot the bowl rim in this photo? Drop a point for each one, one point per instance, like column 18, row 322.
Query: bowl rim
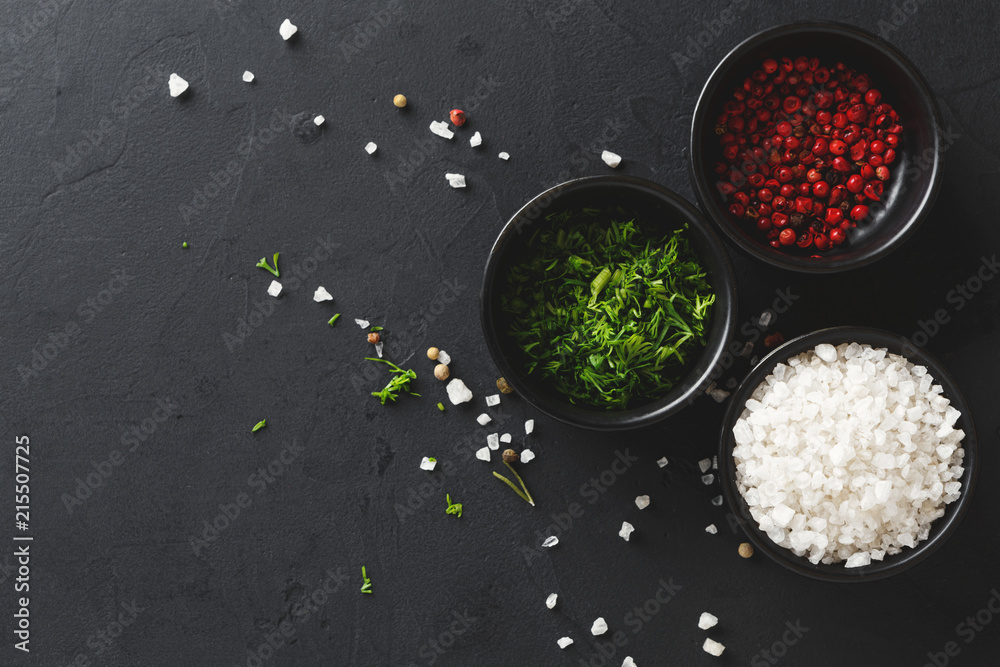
column 714, row 254
column 892, row 565
column 696, row 164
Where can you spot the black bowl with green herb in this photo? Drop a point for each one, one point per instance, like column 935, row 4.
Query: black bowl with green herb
column 607, row 302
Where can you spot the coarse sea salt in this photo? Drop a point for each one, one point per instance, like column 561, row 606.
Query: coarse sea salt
column 564, row 642
column 322, row 295
column 493, row 441
column 362, row 323
column 529, row 426
column 711, row 529
column 527, row 456
column 484, row 419
column 550, row 601
column 287, row 29
column 444, row 358
column 274, row 289
column 628, row 662
column 550, row 541
column 475, row 140
column 483, row 453
column 662, row 462
column 626, row 531
column 441, row 129
column 599, row 627
column 248, row 76
column 491, row 401
column 707, row 479
column 371, row 147
column 458, row 392
column 713, row 647
column 847, row 453
column 504, row 155
column 455, row 180
column 427, row 463
column 642, row 502
column 706, row 620
column 505, row 438
column 378, row 348
column 177, row 85
column 611, row 159
column 319, row 120
column 704, row 465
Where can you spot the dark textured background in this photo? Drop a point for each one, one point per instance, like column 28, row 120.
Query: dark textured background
column 98, row 164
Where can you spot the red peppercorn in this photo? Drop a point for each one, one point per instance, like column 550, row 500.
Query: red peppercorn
column 837, row 195
column 833, row 217
column 889, row 156
column 803, row 205
column 841, row 165
column 867, row 172
column 839, row 120
column 787, row 190
column 779, row 220
column 859, row 213
column 820, row 147
column 837, row 236
column 813, row 175
column 875, row 161
column 763, row 224
column 872, row 97
column 877, row 147
column 838, row 147
column 805, row 239
column 784, row 128
column 457, row 117
column 855, row 183
column 770, row 66
column 821, row 241
column 737, row 210
column 765, row 195
column 882, row 173
column 791, row 104
column 821, row 189
column 873, row 190
column 891, row 140
column 783, row 174
column 787, row 237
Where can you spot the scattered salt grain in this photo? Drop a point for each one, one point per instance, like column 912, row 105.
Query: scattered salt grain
column 483, row 419
column 642, row 502
column 550, row 601
column 274, row 289
column 765, row 318
column 705, row 464
column 483, row 454
column 711, row 529
column 611, row 159
column 707, row 479
column 719, row 395
column 527, row 455
column 493, row 400
column 626, row 530
column 715, row 462
column 427, row 464
column 599, row 627
column 662, row 462
column 371, row 147
column 378, row 348
column 706, row 621
column 713, row 647
column 248, row 76
column 287, row 29
column 476, row 140
column 319, row 120
column 322, row 295
column 177, row 85
column 493, row 441
column 529, row 426
column 504, row 155
column 441, row 129
column 859, row 559
column 455, row 180
column 458, row 392
column 564, row 642
column 826, row 352
column 629, row 662
column 505, row 438
column 550, row 541
column 444, row 358
column 362, row 323
column 717, row 501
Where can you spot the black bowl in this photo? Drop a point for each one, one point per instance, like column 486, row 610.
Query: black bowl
column 652, row 203
column 916, row 172
column 941, row 529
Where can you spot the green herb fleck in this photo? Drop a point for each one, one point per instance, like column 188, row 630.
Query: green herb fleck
column 608, row 312
column 376, row 329
column 453, row 508
column 441, row 407
column 367, row 586
column 264, row 265
column 400, row 382
column 259, row 425
column 525, row 495
column 185, row 245
column 333, row 319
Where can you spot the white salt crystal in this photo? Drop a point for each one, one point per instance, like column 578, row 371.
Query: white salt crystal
column 707, row 479
column 765, row 318
column 826, row 352
column 662, row 462
column 444, row 358
column 379, row 346
column 599, row 627
column 483, row 419
column 427, row 464
column 706, row 621
column 362, row 323
column 455, row 180
column 505, row 438
column 550, row 541
column 717, row 501
column 628, row 662
column 859, row 559
column 705, row 464
column 711, row 529
column 493, row 441
column 713, row 647
column 319, row 120
column 550, row 601
column 248, row 76
column 564, row 642
column 483, row 454
column 782, row 514
column 611, row 159
column 458, row 392
column 441, row 129
column 715, row 462
column 527, row 455
column 626, row 530
column 719, row 395
column 177, row 85
column 529, row 426
column 371, row 147
column 274, row 289
column 476, row 139
column 322, row 295
column 504, row 155
column 287, row 29
column 642, row 502
column 491, row 401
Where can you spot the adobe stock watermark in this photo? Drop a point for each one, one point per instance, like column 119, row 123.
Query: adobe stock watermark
column 33, row 21
column 366, row 31
column 293, row 276
column 58, row 340
column 754, row 328
column 226, row 174
column 131, row 439
column 957, row 298
column 902, row 12
column 308, row 607
column 968, row 629
column 101, row 640
column 703, row 34
column 779, row 648
column 435, row 647
column 257, row 482
column 591, row 491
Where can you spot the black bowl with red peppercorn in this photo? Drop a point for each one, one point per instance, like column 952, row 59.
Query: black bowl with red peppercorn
column 816, row 147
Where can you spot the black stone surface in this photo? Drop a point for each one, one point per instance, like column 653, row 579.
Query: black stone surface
column 104, row 176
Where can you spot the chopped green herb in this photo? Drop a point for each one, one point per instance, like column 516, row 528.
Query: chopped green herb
column 432, row 459
column 453, row 508
column 259, row 425
column 367, row 586
column 376, row 329
column 400, row 382
column 525, row 495
column 333, row 319
column 264, row 265
column 441, row 407
column 185, row 245
column 608, row 311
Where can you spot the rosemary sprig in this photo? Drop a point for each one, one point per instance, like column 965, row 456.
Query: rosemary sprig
column 525, row 495
column 400, row 382
column 262, row 264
